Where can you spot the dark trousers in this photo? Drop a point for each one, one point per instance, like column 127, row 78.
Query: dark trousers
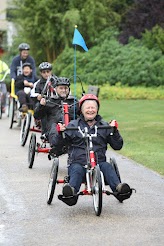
column 25, row 99
column 77, row 174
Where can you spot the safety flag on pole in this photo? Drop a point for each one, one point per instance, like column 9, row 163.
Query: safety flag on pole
column 79, row 40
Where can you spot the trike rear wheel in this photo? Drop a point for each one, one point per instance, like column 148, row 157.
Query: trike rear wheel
column 31, row 150
column 114, row 164
column 52, row 180
column 97, row 190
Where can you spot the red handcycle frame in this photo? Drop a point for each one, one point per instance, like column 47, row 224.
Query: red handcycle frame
column 42, row 147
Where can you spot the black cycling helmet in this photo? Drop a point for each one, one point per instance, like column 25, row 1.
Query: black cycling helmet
column 62, row 81
column 24, row 46
column 27, row 64
column 45, row 66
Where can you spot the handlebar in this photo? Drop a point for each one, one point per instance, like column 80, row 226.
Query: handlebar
column 85, row 133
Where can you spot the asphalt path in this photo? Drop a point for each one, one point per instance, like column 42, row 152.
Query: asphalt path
column 27, row 220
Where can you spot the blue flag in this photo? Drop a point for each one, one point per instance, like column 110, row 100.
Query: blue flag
column 78, row 40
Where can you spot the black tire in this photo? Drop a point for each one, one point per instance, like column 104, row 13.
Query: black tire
column 11, row 112
column 97, row 190
column 114, row 164
column 25, row 128
column 52, row 180
column 32, row 150
column 7, row 104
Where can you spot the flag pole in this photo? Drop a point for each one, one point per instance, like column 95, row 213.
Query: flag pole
column 75, row 79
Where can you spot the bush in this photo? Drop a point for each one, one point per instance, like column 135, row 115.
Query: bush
column 109, row 61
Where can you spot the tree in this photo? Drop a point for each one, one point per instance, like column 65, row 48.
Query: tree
column 144, row 14
column 48, row 25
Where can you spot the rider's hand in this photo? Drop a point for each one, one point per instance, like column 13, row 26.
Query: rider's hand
column 26, row 83
column 113, row 123
column 39, row 97
column 60, row 127
column 43, row 101
column 31, row 85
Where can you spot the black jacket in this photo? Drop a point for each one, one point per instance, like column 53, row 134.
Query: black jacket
column 53, row 111
column 76, row 144
column 19, row 82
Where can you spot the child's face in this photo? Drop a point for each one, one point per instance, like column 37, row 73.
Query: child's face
column 27, row 71
column 46, row 73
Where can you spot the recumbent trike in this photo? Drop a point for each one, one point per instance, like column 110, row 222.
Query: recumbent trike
column 94, row 183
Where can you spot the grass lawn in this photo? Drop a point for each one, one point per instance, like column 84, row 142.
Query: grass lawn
column 141, row 124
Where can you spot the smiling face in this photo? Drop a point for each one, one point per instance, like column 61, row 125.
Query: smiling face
column 24, row 54
column 89, row 109
column 62, row 90
column 27, row 70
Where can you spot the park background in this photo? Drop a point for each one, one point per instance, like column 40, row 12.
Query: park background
column 125, row 60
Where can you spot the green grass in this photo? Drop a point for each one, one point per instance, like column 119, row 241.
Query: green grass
column 141, row 124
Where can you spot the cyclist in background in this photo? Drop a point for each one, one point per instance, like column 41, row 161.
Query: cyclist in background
column 39, row 90
column 89, row 107
column 23, row 85
column 3, row 69
column 52, row 110
column 16, row 67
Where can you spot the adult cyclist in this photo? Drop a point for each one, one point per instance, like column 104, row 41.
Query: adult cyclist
column 16, row 67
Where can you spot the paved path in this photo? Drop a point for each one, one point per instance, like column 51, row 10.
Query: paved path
column 27, row 220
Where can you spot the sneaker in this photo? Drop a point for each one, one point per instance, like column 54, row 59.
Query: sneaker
column 68, row 190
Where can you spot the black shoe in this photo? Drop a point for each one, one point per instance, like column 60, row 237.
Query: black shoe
column 123, row 191
column 68, row 191
column 123, row 188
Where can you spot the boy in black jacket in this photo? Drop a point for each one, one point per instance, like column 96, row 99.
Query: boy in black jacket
column 23, row 85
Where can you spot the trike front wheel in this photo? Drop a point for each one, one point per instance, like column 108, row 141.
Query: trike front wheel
column 52, row 180
column 97, row 190
column 31, row 150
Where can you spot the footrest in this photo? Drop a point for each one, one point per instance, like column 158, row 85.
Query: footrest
column 70, row 201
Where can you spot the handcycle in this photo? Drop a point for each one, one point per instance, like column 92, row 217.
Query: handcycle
column 94, row 182
column 44, row 146
column 23, row 120
column 47, row 92
column 14, row 114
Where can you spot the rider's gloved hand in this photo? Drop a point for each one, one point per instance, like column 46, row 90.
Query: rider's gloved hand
column 114, row 123
column 60, row 127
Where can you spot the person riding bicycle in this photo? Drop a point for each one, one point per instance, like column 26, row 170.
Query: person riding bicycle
column 89, row 106
column 45, row 69
column 52, row 109
column 40, row 90
column 23, row 85
column 16, row 67
column 4, row 69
